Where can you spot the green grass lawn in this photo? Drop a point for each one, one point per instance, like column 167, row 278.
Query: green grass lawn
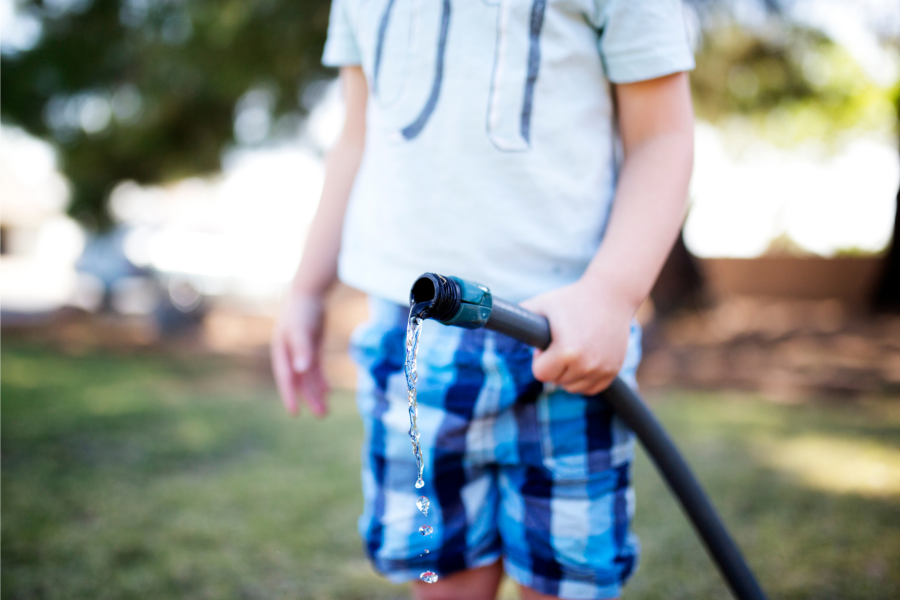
column 166, row 477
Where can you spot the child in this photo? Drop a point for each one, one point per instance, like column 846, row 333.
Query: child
column 481, row 140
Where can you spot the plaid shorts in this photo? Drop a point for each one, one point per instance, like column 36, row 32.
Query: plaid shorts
column 513, row 469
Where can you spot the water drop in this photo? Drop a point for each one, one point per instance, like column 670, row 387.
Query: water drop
column 423, row 504
column 428, row 577
column 426, row 530
column 427, row 551
column 420, row 484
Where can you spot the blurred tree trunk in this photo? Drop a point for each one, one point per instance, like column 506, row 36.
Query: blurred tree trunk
column 680, row 284
column 887, row 295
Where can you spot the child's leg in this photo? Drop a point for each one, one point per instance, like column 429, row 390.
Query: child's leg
column 474, row 584
column 529, row 594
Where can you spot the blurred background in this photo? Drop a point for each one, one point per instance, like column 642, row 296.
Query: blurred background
column 160, row 163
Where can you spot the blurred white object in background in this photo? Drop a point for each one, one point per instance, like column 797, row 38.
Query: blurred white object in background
column 40, row 244
column 863, row 27
column 238, row 235
column 135, row 296
column 825, row 203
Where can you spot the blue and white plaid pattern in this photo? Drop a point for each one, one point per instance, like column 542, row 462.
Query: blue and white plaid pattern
column 514, row 469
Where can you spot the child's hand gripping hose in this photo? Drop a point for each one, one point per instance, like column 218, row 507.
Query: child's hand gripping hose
column 454, row 301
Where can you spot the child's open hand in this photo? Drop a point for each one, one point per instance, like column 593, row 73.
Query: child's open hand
column 295, row 353
column 590, row 327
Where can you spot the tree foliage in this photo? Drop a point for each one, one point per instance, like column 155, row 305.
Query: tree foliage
column 148, row 91
column 789, row 82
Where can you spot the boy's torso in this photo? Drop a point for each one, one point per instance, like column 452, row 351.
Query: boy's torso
column 490, row 144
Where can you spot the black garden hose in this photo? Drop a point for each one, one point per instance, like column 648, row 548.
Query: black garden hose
column 462, row 303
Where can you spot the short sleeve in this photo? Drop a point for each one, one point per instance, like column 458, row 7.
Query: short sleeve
column 340, row 44
column 643, row 39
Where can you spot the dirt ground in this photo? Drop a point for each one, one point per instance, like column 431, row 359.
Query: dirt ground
column 786, row 349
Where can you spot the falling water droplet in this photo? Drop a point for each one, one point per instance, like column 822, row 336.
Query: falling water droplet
column 427, row 551
column 426, row 530
column 420, row 484
column 428, row 577
column 423, row 504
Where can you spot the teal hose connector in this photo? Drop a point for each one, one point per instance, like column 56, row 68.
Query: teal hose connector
column 451, row 301
column 455, row 301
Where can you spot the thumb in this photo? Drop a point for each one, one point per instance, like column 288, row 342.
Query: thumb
column 536, row 304
column 533, row 305
column 546, row 364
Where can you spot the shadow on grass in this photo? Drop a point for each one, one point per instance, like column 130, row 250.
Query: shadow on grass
column 156, row 477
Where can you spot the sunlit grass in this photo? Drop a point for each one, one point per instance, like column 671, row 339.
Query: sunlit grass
column 839, row 465
column 167, row 477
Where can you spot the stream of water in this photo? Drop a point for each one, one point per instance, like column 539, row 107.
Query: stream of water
column 413, row 330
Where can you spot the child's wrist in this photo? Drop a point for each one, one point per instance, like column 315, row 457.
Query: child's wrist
column 312, row 290
column 616, row 287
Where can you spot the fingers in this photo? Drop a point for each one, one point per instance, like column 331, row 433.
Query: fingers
column 308, row 376
column 561, row 363
column 295, row 354
column 548, row 366
column 587, row 374
column 573, row 370
column 591, row 385
column 310, row 383
column 284, row 376
column 314, row 387
column 300, row 350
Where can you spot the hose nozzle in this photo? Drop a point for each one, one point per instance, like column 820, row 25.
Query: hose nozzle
column 451, row 301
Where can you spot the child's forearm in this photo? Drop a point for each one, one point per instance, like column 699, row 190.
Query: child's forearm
column 652, row 190
column 318, row 268
column 591, row 330
column 647, row 215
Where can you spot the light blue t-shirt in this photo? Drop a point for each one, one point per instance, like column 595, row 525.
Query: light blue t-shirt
column 490, row 138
